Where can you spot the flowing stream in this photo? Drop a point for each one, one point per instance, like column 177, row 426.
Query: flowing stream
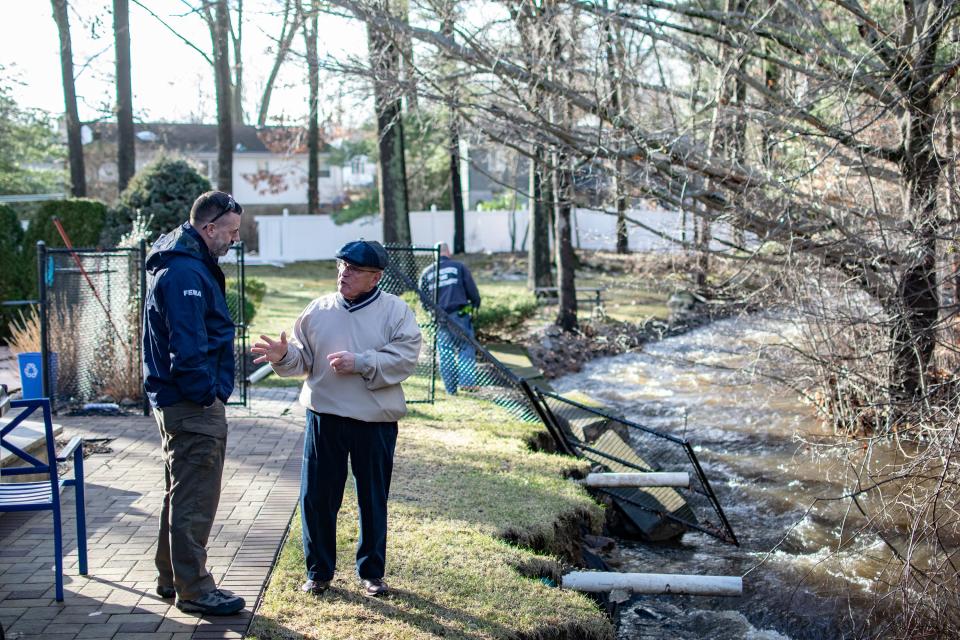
column 751, row 435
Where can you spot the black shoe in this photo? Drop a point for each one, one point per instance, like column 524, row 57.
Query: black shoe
column 374, row 588
column 166, row 592
column 315, row 587
column 213, row 603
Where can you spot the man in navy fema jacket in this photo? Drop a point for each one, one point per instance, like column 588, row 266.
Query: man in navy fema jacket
column 188, row 374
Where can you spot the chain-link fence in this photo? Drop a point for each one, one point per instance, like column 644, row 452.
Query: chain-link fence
column 466, row 366
column 90, row 326
column 450, row 350
column 406, row 268
column 90, row 308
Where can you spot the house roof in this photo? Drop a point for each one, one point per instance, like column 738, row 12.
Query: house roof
column 202, row 138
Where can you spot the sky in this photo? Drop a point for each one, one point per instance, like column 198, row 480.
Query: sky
column 171, row 81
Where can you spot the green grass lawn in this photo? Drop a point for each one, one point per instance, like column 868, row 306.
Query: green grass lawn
column 627, row 296
column 289, row 289
column 463, row 483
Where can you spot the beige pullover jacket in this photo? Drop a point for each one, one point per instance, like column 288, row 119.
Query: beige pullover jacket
column 383, row 333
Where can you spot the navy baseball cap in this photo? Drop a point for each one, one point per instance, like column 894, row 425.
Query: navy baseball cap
column 364, row 253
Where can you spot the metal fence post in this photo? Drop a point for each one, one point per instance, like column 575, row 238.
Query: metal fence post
column 44, row 337
column 436, row 322
column 143, row 305
column 242, row 286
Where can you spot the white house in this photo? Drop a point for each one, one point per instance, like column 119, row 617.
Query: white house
column 359, row 172
column 270, row 164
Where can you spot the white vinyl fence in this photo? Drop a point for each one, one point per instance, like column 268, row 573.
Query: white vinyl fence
column 289, row 238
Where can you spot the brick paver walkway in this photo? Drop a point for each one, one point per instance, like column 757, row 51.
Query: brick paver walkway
column 124, row 491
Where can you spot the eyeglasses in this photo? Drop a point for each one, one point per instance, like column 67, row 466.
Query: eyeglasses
column 343, row 265
column 230, row 206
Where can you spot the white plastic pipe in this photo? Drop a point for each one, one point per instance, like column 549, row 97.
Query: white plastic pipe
column 653, row 583
column 260, row 374
column 652, row 479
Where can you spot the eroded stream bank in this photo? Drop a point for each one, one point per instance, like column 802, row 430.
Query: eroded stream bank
column 750, row 436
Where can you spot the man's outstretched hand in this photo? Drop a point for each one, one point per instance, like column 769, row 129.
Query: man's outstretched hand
column 271, row 351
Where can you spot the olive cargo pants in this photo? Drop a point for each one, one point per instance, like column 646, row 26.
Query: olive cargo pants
column 194, row 442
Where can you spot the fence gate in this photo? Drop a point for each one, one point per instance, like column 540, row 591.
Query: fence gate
column 405, row 266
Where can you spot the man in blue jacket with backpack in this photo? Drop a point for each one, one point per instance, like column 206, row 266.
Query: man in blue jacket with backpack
column 188, row 368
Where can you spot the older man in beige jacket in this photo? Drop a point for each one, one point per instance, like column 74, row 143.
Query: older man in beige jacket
column 355, row 347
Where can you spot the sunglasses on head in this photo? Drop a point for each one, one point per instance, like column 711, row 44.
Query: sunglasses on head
column 230, row 206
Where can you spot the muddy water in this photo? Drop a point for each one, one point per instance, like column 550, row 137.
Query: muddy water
column 752, row 437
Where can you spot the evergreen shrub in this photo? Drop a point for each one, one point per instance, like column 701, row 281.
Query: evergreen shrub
column 163, row 192
column 15, row 272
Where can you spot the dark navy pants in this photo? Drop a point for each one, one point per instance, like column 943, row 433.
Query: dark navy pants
column 329, row 441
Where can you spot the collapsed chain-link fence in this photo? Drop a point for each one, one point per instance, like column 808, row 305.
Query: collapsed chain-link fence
column 503, row 374
column 622, row 446
column 90, row 308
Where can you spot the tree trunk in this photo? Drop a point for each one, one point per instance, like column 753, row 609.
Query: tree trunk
column 310, row 27
column 392, row 173
column 538, row 255
column 562, row 114
column 703, row 233
column 456, row 187
column 78, row 178
column 126, row 149
column 237, row 38
column 615, row 61
column 623, row 237
column 221, row 72
column 566, row 259
column 407, row 70
column 917, row 305
column 771, row 79
column 284, row 43
column 951, row 259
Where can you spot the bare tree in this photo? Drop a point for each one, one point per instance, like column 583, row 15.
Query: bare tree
column 220, row 35
column 291, row 24
column 532, row 27
column 391, row 176
column 456, row 187
column 216, row 14
column 310, row 22
column 615, row 59
column 561, row 114
column 236, row 38
column 78, row 179
column 126, row 147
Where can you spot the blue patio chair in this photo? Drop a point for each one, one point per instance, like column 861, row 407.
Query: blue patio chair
column 45, row 495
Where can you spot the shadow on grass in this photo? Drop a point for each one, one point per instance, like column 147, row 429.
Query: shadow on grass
column 407, row 607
